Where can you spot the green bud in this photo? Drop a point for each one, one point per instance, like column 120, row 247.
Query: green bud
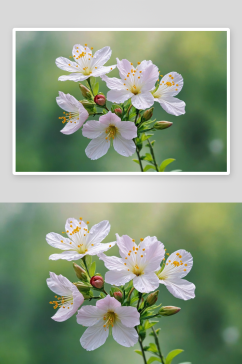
column 83, row 287
column 169, row 310
column 89, row 106
column 85, row 92
column 148, row 114
column 80, row 273
column 152, row 298
column 117, row 293
column 160, row 125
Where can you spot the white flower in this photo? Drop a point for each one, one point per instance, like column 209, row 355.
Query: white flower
column 69, row 299
column 85, row 64
column 108, row 312
column 170, row 85
column 76, row 114
column 108, row 127
column 81, row 241
column 177, row 266
column 136, row 83
column 137, row 262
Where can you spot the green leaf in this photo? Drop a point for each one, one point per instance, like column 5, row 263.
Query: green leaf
column 96, row 88
column 136, row 160
column 152, row 359
column 149, row 166
column 148, row 157
column 102, row 295
column 127, row 105
column 165, row 163
column 149, row 324
column 138, row 352
column 105, row 111
column 92, row 269
column 145, row 137
column 172, row 354
column 153, row 348
column 88, row 259
column 133, row 301
column 93, row 81
column 157, row 332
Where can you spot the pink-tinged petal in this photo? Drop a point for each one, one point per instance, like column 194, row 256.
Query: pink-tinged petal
column 119, row 278
column 89, row 315
column 184, row 257
column 142, row 101
column 75, row 124
column 155, row 253
column 76, row 77
column 125, row 244
column 112, row 263
column 94, row 336
column 58, row 241
column 147, row 242
column 119, row 96
column 109, row 118
column 69, row 309
column 97, row 148
column 101, row 57
column 123, row 146
column 124, row 67
column 146, row 283
column 93, row 129
column 98, row 232
column 174, row 89
column 103, row 70
column 149, row 77
column 66, row 65
column 180, row 288
column 67, row 102
column 129, row 316
column 127, row 129
column 108, row 304
column 58, row 286
column 99, row 248
column 69, row 255
column 172, row 105
column 125, row 336
column 114, row 83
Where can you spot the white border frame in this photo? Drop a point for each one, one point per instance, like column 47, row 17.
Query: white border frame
column 119, row 173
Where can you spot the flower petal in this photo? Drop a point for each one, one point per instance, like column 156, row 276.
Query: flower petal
column 173, row 90
column 119, row 278
column 108, row 304
column 69, row 309
column 100, row 248
column 112, row 263
column 76, row 77
column 98, row 232
column 127, row 129
column 172, row 105
column 74, row 125
column 154, row 255
column 59, row 284
column 114, row 83
column 101, row 57
column 103, row 70
column 187, row 260
column 109, row 118
column 70, row 255
column 89, row 315
column 58, row 241
column 142, row 101
column 149, row 77
column 123, row 146
column 124, row 67
column 67, row 102
column 125, row 244
column 66, row 65
column 125, row 336
column 129, row 316
column 94, row 336
column 119, row 96
column 93, row 129
column 146, row 283
column 97, row 148
column 180, row 288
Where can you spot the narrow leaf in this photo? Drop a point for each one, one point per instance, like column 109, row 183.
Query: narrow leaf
column 172, row 354
column 96, row 89
column 149, row 166
column 152, row 359
column 165, row 163
column 138, row 352
column 136, row 161
column 92, row 269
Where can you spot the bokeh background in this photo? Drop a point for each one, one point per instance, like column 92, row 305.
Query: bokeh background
column 208, row 327
column 197, row 140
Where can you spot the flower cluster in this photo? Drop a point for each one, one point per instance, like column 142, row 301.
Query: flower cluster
column 134, row 277
column 127, row 124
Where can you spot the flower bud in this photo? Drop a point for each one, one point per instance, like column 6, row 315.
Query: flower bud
column 89, row 106
column 148, row 114
column 100, row 100
column 118, row 112
column 97, row 282
column 159, row 125
column 83, row 287
column 118, row 295
column 80, row 273
column 169, row 310
column 152, row 298
column 85, row 92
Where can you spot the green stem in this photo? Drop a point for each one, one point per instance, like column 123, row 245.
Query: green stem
column 158, row 346
column 153, row 155
column 95, row 298
column 84, row 261
column 130, row 292
column 89, row 83
column 142, row 349
column 138, row 155
column 140, row 297
column 149, row 317
column 105, row 291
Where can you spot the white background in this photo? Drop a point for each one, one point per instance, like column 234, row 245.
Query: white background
column 126, row 14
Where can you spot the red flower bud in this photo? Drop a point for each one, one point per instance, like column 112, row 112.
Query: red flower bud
column 100, row 100
column 118, row 295
column 97, row 282
column 118, row 111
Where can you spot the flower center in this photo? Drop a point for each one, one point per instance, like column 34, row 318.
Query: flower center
column 134, row 90
column 109, row 319
column 63, row 301
column 138, row 271
column 111, row 132
column 69, row 117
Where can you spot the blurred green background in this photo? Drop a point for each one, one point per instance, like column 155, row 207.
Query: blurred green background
column 197, row 140
column 208, row 327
